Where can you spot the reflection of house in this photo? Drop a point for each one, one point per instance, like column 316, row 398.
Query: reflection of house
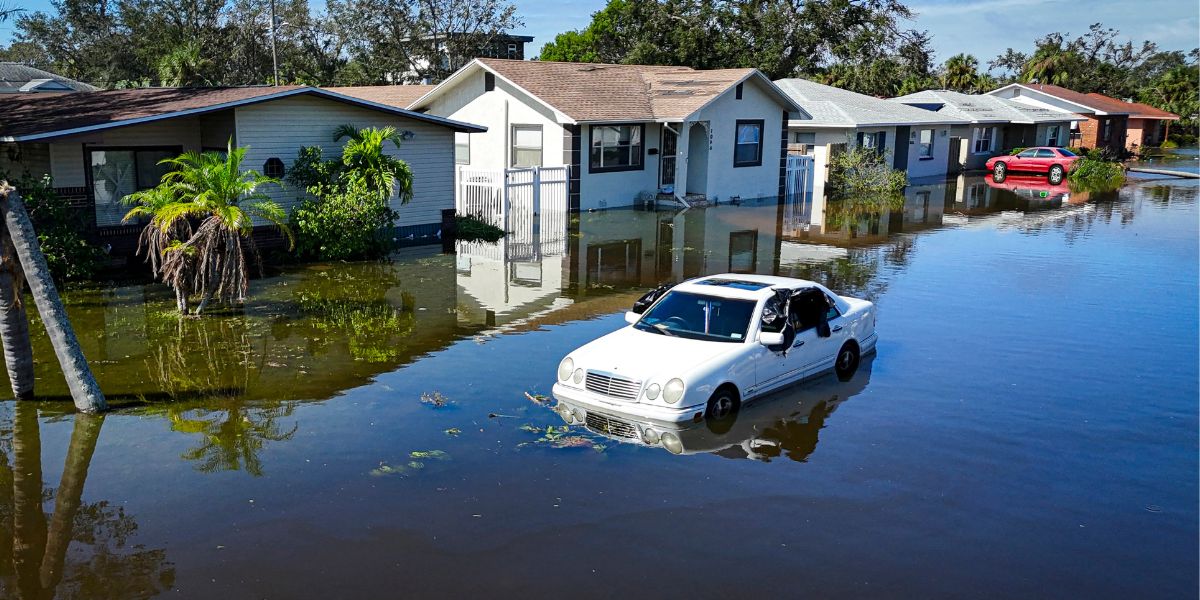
column 624, row 131
column 19, row 78
column 917, row 141
column 101, row 146
column 1106, row 120
column 993, row 124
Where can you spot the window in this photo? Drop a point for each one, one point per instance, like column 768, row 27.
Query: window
column 526, row 146
column 1106, row 132
column 926, row 144
column 116, row 173
column 1067, row 153
column 698, row 317
column 1044, row 153
column 868, row 140
column 489, row 82
column 805, row 137
column 983, row 139
column 273, row 168
column 737, row 92
column 1052, row 135
column 1028, row 153
column 743, row 251
column 512, row 51
column 616, row 148
column 747, row 149
column 462, row 148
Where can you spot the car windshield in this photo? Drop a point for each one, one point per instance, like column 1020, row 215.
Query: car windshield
column 1067, row 153
column 699, row 317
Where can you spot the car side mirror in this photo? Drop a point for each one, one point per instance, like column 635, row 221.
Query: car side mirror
column 770, row 339
column 632, row 317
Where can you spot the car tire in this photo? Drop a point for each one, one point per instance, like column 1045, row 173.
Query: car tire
column 846, row 362
column 722, row 409
column 999, row 171
column 1056, row 174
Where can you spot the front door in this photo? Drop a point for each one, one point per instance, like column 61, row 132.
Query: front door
column 697, row 160
column 666, row 159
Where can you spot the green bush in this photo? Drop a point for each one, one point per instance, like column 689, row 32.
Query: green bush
column 345, row 220
column 859, row 172
column 1169, row 145
column 470, row 228
column 1095, row 171
column 60, row 231
column 1016, row 151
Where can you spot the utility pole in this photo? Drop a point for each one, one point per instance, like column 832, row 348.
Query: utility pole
column 274, row 56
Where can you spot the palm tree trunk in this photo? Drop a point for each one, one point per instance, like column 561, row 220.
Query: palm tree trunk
column 29, row 522
column 14, row 335
column 84, row 389
column 68, row 497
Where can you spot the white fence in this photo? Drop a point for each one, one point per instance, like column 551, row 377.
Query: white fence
column 529, row 204
column 797, row 198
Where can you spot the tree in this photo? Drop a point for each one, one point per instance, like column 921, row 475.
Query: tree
column 960, row 74
column 208, row 260
column 363, row 157
column 1009, row 63
column 184, row 66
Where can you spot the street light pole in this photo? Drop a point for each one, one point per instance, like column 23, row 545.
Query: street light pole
column 274, row 56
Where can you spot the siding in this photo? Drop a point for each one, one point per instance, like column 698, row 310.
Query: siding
column 17, row 160
column 280, row 127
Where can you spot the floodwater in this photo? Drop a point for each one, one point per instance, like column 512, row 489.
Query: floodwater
column 1028, row 427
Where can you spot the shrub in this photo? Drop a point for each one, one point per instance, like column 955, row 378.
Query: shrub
column 59, row 230
column 1016, row 151
column 344, row 220
column 861, row 172
column 1095, row 171
column 471, row 228
column 1169, row 145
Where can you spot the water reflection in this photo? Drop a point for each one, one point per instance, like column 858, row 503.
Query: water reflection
column 103, row 561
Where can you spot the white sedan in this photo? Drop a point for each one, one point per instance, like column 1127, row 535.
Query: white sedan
column 701, row 348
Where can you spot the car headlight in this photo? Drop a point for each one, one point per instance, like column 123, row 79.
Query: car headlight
column 673, row 391
column 653, row 391
column 578, row 377
column 671, row 442
column 564, row 368
column 650, row 436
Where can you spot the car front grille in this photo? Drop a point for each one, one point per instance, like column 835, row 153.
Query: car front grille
column 608, row 425
column 611, row 385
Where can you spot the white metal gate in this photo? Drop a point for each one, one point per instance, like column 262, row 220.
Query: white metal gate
column 529, row 204
column 797, row 198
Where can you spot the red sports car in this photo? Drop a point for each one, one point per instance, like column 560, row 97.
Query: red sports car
column 1054, row 162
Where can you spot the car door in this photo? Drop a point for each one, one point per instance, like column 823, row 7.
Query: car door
column 817, row 352
column 774, row 367
column 1023, row 161
column 1045, row 158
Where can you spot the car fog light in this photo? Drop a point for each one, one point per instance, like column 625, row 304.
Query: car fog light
column 578, row 377
column 671, row 442
column 564, row 368
column 650, row 436
column 673, row 391
column 579, row 415
column 653, row 391
column 564, row 412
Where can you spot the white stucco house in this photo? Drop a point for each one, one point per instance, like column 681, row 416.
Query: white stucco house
column 993, row 125
column 916, row 140
column 625, row 132
column 99, row 146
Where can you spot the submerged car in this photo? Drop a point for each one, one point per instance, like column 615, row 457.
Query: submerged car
column 1054, row 162
column 701, row 348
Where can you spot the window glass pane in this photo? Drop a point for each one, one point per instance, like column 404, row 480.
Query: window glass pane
column 926, row 136
column 746, row 153
column 113, row 178
column 527, row 137
column 1043, row 153
column 527, row 158
column 634, row 135
column 1027, row 153
column 806, row 138
column 149, row 172
column 748, row 134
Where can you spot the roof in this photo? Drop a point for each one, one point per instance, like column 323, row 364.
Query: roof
column 400, row 96
column 595, row 92
column 16, row 77
column 1102, row 105
column 42, row 116
column 1137, row 110
column 981, row 108
column 834, row 107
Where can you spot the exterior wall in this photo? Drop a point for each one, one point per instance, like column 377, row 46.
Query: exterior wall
column 1091, row 129
column 623, row 188
column 725, row 180
column 280, row 127
column 823, row 139
column 975, row 161
column 1145, row 132
column 17, row 160
column 68, row 162
column 1043, row 130
column 935, row 166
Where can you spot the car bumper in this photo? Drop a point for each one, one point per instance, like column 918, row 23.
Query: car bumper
column 649, row 412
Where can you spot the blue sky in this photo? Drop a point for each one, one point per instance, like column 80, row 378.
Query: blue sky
column 980, row 27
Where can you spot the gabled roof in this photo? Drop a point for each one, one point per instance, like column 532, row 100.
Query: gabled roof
column 16, row 77
column 981, row 108
column 29, row 117
column 593, row 92
column 1084, row 103
column 1137, row 110
column 399, row 96
column 834, row 107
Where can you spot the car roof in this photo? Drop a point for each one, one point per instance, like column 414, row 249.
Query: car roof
column 743, row 286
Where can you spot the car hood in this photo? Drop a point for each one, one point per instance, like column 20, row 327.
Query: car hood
column 640, row 355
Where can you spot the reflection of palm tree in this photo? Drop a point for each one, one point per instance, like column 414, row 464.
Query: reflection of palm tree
column 233, row 437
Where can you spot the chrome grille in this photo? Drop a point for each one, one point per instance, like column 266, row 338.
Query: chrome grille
column 608, row 425
column 611, row 385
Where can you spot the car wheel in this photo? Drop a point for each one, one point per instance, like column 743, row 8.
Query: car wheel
column 999, row 171
column 1056, row 174
column 722, row 410
column 846, row 363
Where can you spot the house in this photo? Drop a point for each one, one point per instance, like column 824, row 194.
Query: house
column 1106, row 120
column 17, row 78
column 917, row 141
column 1148, row 126
column 100, row 146
column 625, row 132
column 450, row 52
column 993, row 124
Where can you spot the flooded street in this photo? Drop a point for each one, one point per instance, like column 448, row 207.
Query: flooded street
column 1027, row 428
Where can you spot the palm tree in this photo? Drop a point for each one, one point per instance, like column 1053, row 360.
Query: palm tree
column 184, row 66
column 1049, row 65
column 364, row 156
column 960, row 73
column 212, row 192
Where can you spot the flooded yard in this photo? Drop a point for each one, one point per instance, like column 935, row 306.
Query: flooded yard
column 1028, row 426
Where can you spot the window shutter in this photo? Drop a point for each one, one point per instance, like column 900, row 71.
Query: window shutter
column 860, row 139
column 880, row 142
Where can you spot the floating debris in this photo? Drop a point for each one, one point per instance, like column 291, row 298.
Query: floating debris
column 556, row 437
column 435, row 399
column 453, row 432
column 539, row 399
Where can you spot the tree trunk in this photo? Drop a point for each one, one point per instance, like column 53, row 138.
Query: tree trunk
column 181, row 301
column 68, row 497
column 29, row 522
column 14, row 335
column 84, row 389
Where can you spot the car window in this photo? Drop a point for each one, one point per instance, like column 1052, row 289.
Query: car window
column 1066, row 153
column 696, row 316
column 1028, row 153
column 802, row 315
column 1044, row 153
column 833, row 312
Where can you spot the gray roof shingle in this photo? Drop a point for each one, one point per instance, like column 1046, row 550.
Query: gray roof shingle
column 16, row 77
column 982, row 108
column 835, row 107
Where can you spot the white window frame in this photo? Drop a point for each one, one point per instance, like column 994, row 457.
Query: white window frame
column 513, row 147
column 1053, row 141
column 983, row 134
column 925, row 149
column 637, row 150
